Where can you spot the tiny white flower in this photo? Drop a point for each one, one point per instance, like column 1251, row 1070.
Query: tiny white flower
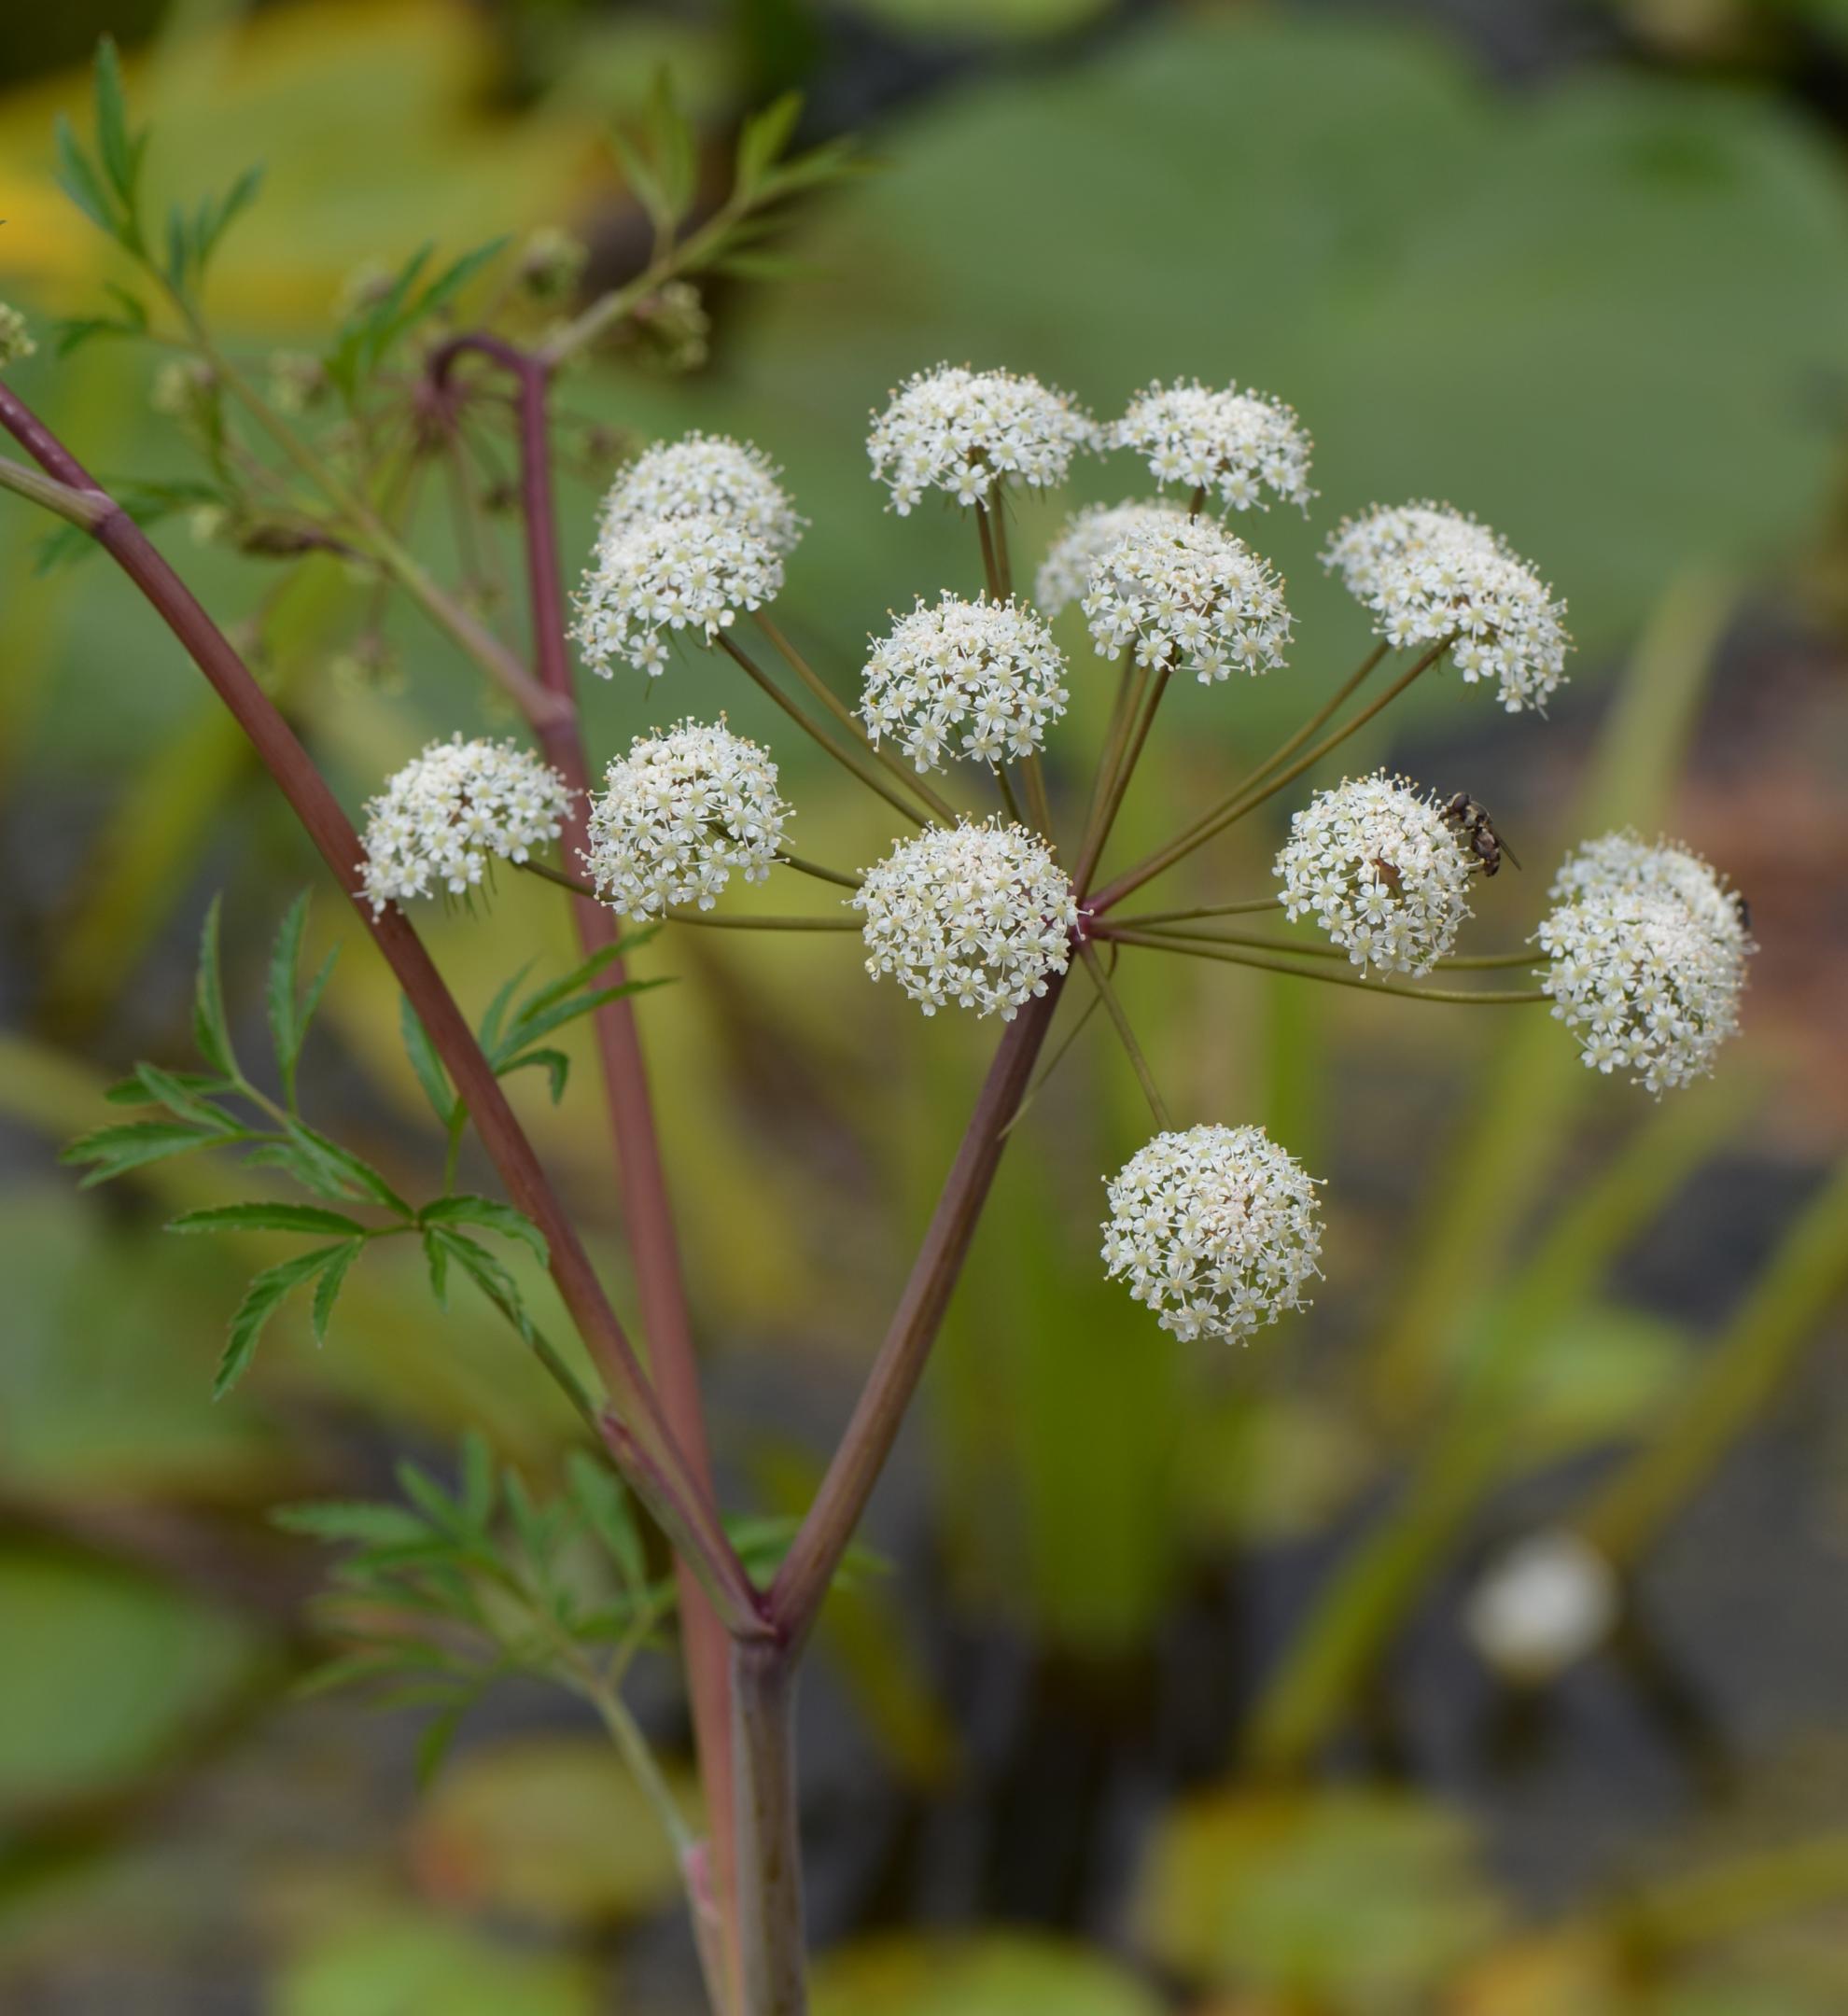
column 678, row 814
column 1186, row 595
column 958, row 430
column 971, row 915
column 979, row 680
column 1065, row 572
column 440, row 818
column 1240, row 443
column 1214, row 1228
column 1428, row 572
column 1550, row 1601
column 657, row 576
column 1374, row 863
column 1646, row 953
column 704, row 475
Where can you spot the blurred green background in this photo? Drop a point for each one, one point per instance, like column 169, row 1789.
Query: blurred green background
column 1168, row 1702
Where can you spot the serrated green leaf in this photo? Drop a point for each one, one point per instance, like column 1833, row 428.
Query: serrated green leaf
column 235, row 202
column 115, row 1149
column 115, row 143
column 490, row 1212
column 554, row 1063
column 496, row 1010
column 643, row 179
column 261, row 1300
column 675, row 150
column 355, row 1171
column 443, row 1512
column 132, row 1091
column 211, row 1032
column 489, row 1276
column 426, row 1062
column 436, row 1257
column 165, row 1088
column 529, row 1025
column 268, row 1218
column 80, row 181
column 763, row 137
column 326, row 1291
column 453, row 279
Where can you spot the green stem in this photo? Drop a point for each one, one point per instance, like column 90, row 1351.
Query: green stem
column 1005, row 784
column 836, row 875
column 849, row 760
column 894, row 764
column 1242, row 804
column 1038, row 802
column 86, row 508
column 1156, row 943
column 1148, row 699
column 1146, row 920
column 1114, row 1007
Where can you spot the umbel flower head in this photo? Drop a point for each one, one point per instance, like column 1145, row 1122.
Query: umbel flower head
column 959, row 430
column 663, row 575
column 443, row 816
column 704, row 475
column 1621, row 860
column 1189, row 597
column 1375, row 865
column 1646, row 959
column 1215, row 1228
column 971, row 916
column 1237, row 443
column 678, row 814
column 16, row 342
column 1066, row 571
column 1428, row 572
column 978, row 679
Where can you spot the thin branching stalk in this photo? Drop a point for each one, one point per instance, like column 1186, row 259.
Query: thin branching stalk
column 1148, row 919
column 888, row 759
column 1114, row 1007
column 840, row 878
column 547, row 873
column 1193, row 949
column 1241, row 807
column 850, row 760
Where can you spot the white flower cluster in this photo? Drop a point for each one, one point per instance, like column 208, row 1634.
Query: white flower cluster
column 1189, row 596
column 1087, row 536
column 1427, row 573
column 1376, row 865
column 959, row 430
column 704, row 476
column 678, row 814
column 976, row 916
column 661, row 575
column 444, row 816
column 1645, row 957
column 1240, row 443
column 978, row 679
column 1215, row 1229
